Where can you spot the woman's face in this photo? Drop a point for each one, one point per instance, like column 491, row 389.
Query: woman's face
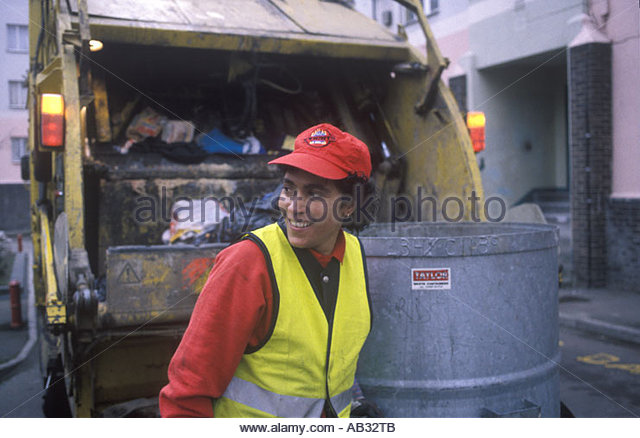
column 313, row 209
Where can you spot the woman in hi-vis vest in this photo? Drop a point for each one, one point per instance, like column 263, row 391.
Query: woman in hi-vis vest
column 278, row 327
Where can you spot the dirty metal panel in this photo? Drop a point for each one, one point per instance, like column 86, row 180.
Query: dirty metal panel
column 143, row 188
column 249, row 41
column 154, row 284
column 327, row 18
column 229, row 14
column 247, row 14
column 247, row 25
column 152, row 165
column 130, row 368
column 144, row 206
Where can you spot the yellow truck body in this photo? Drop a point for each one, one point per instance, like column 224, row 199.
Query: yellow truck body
column 112, row 350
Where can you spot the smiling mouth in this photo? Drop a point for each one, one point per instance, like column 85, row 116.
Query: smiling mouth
column 299, row 224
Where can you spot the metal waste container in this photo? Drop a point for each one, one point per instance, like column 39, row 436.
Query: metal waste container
column 465, row 320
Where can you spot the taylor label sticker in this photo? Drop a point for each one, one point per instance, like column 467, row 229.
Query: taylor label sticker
column 431, row 279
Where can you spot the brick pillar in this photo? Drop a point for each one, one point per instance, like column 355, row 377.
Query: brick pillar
column 591, row 148
column 623, row 239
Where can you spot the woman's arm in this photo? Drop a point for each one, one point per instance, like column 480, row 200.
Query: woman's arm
column 232, row 312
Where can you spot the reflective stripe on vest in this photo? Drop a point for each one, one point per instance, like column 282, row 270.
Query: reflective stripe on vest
column 296, row 370
column 279, row 405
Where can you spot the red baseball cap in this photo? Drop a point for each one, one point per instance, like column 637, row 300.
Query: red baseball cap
column 328, row 152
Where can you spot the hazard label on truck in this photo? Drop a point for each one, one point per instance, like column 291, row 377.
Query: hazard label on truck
column 431, row 278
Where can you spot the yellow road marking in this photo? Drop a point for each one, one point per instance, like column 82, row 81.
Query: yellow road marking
column 609, row 361
column 598, row 359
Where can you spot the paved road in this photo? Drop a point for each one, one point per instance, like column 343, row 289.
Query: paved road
column 20, row 389
column 601, row 376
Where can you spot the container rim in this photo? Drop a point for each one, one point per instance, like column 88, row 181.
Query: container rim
column 440, row 240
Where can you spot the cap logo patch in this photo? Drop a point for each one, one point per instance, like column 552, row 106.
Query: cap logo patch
column 319, row 138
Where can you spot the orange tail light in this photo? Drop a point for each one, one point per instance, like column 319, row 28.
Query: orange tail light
column 52, row 120
column 476, row 123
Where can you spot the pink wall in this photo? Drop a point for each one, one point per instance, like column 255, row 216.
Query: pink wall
column 11, row 127
column 454, row 46
column 623, row 27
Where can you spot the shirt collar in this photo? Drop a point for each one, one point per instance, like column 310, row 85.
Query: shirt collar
column 338, row 250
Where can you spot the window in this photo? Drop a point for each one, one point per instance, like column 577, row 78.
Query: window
column 18, row 148
column 410, row 17
column 458, row 86
column 17, row 38
column 17, row 95
column 387, row 18
column 430, row 8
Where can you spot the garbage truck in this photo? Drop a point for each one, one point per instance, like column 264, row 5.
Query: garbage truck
column 135, row 106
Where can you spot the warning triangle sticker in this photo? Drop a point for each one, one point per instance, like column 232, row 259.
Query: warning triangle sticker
column 128, row 275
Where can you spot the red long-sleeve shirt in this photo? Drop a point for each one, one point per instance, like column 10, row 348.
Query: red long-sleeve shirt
column 233, row 312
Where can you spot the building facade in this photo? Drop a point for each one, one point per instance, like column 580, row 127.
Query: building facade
column 558, row 84
column 14, row 59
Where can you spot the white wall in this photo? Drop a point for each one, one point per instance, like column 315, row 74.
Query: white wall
column 501, row 31
column 526, row 129
column 513, row 33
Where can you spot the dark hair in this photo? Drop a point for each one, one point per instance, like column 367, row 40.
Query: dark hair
column 365, row 198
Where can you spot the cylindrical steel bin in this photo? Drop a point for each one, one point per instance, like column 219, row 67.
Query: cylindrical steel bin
column 465, row 320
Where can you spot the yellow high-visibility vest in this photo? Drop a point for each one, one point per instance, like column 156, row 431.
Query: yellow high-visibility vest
column 306, row 360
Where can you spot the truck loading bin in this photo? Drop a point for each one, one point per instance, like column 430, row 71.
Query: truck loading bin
column 465, row 320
